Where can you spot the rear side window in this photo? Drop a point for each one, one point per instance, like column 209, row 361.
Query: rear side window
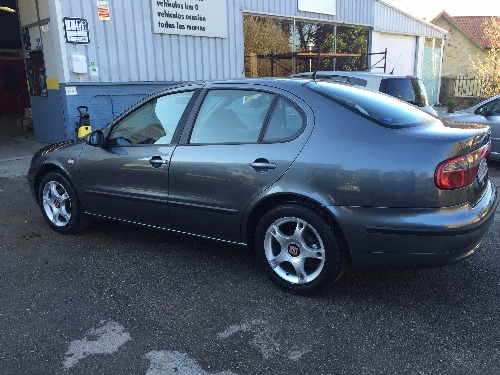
column 246, row 116
column 286, row 122
column 231, row 116
column 379, row 108
column 411, row 90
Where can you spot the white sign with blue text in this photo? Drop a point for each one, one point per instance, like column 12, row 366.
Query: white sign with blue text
column 190, row 17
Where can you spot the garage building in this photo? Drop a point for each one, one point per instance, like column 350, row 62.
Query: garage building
column 106, row 55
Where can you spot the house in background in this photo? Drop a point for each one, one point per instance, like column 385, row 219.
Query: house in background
column 465, row 41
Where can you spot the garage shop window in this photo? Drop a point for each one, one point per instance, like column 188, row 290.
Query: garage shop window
column 279, row 47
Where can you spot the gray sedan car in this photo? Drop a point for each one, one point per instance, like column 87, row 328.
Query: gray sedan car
column 314, row 176
column 486, row 112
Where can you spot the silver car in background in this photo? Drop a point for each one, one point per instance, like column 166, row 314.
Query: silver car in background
column 486, row 112
column 314, row 176
column 407, row 88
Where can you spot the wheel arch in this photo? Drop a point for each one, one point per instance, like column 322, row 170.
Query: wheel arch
column 275, row 200
column 43, row 171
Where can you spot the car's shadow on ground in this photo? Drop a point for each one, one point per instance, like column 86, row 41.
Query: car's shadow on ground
column 464, row 285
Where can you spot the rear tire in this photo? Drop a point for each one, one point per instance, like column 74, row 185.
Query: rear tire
column 299, row 250
column 60, row 204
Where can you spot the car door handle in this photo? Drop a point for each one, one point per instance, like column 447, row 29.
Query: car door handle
column 157, row 161
column 262, row 165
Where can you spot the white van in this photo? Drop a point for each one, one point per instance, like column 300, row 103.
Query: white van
column 408, row 88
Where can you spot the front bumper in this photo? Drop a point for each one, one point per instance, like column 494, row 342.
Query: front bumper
column 31, row 181
column 401, row 238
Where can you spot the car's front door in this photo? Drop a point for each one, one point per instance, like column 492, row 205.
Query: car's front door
column 127, row 178
column 491, row 116
column 240, row 143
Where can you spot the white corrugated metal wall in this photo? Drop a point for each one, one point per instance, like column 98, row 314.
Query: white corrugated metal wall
column 351, row 12
column 125, row 49
column 390, row 19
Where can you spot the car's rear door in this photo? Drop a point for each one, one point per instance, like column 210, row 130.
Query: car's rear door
column 127, row 178
column 240, row 142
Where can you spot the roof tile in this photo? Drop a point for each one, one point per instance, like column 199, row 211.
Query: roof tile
column 474, row 26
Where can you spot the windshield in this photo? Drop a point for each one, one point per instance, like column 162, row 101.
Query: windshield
column 381, row 109
column 411, row 90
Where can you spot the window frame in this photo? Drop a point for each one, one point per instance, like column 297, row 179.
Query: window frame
column 265, row 124
column 107, row 130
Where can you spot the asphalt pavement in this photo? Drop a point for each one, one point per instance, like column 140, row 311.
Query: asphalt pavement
column 124, row 300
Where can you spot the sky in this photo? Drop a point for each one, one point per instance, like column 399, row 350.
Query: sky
column 428, row 9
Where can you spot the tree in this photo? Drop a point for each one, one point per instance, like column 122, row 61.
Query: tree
column 266, row 36
column 488, row 68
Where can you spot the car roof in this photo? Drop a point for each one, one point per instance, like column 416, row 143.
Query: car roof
column 277, row 82
column 483, row 102
column 352, row 74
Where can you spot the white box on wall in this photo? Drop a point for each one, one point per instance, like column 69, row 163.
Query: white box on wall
column 78, row 64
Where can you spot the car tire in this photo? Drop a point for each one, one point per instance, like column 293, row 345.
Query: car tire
column 299, row 250
column 60, row 204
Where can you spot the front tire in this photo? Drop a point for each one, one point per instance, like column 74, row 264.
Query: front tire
column 60, row 204
column 299, row 250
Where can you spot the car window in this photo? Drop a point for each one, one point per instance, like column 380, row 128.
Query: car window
column 286, row 122
column 231, row 116
column 351, row 80
column 379, row 108
column 493, row 107
column 153, row 123
column 411, row 90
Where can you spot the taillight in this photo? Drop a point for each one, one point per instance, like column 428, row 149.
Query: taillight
column 461, row 171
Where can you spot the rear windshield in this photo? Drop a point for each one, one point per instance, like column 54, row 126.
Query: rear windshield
column 411, row 90
column 381, row 109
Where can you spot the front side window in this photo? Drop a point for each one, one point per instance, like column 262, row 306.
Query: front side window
column 153, row 123
column 231, row 116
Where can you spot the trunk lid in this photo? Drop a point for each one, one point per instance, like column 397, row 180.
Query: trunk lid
column 472, row 143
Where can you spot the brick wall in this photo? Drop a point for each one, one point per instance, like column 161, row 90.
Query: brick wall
column 457, row 52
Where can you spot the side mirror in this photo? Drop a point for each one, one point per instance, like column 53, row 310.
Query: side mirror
column 96, row 138
column 483, row 111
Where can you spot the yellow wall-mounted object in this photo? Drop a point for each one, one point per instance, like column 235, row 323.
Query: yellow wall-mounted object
column 52, row 84
column 84, row 130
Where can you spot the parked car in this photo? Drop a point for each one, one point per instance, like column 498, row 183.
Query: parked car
column 408, row 88
column 313, row 175
column 486, row 112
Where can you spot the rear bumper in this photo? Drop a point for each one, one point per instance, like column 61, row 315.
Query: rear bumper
column 392, row 238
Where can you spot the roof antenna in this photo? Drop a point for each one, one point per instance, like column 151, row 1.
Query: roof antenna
column 314, row 75
column 392, row 71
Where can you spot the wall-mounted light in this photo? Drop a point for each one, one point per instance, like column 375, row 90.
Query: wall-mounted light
column 310, row 46
column 7, row 9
